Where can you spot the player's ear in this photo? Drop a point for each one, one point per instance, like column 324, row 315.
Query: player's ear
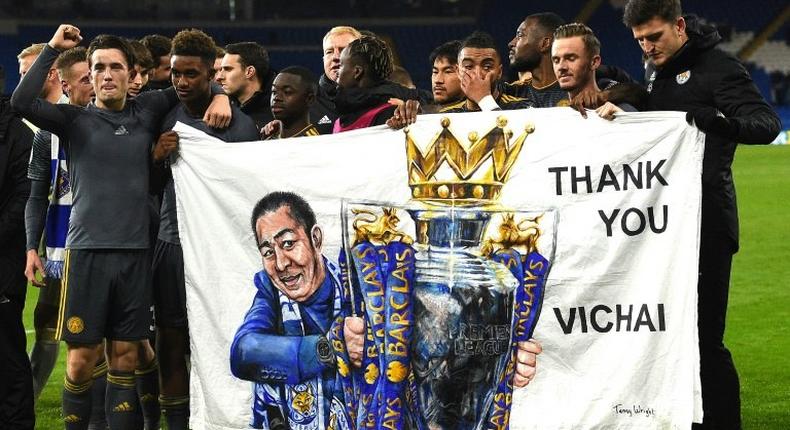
column 358, row 72
column 317, row 237
column 596, row 62
column 680, row 25
column 545, row 44
column 249, row 72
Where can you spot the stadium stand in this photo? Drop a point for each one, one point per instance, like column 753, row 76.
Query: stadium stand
column 292, row 31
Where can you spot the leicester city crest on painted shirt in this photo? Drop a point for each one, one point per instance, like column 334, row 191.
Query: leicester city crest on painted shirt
column 302, row 404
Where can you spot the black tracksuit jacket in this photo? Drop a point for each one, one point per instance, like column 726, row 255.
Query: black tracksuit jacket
column 701, row 76
column 16, row 140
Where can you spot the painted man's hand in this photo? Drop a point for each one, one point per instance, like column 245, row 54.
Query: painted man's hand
column 526, row 362
column 354, row 333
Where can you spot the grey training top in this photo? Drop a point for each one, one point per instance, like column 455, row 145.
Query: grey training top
column 242, row 129
column 109, row 159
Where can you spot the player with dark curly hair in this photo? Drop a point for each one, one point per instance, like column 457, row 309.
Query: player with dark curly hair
column 192, row 57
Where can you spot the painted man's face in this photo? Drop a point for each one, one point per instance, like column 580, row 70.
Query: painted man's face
column 291, row 256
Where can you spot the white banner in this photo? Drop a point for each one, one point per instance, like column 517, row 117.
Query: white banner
column 618, row 324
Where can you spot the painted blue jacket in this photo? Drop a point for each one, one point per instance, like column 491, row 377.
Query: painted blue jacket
column 275, row 347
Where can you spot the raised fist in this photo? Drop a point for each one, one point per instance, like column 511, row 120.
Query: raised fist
column 66, row 37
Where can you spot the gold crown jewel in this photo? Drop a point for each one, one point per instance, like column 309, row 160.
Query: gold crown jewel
column 449, row 172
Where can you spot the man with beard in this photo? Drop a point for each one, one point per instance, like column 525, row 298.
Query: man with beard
column 530, row 51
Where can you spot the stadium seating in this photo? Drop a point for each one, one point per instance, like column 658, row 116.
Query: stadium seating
column 292, row 31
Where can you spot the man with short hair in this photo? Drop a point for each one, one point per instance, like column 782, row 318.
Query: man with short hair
column 159, row 48
column 530, row 53
column 445, row 80
column 685, row 71
column 246, row 76
column 576, row 55
column 75, row 76
column 293, row 92
column 218, row 62
column 192, row 58
column 481, row 69
column 143, row 67
column 106, row 292
column 48, row 209
column 282, row 344
column 323, row 113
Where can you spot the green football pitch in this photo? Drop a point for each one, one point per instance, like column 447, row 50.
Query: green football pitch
column 758, row 321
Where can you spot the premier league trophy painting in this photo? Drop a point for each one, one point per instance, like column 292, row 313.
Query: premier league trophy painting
column 447, row 284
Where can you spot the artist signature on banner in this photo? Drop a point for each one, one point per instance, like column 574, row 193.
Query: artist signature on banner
column 633, row 410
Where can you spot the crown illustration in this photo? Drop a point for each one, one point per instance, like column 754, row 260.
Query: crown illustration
column 447, row 171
